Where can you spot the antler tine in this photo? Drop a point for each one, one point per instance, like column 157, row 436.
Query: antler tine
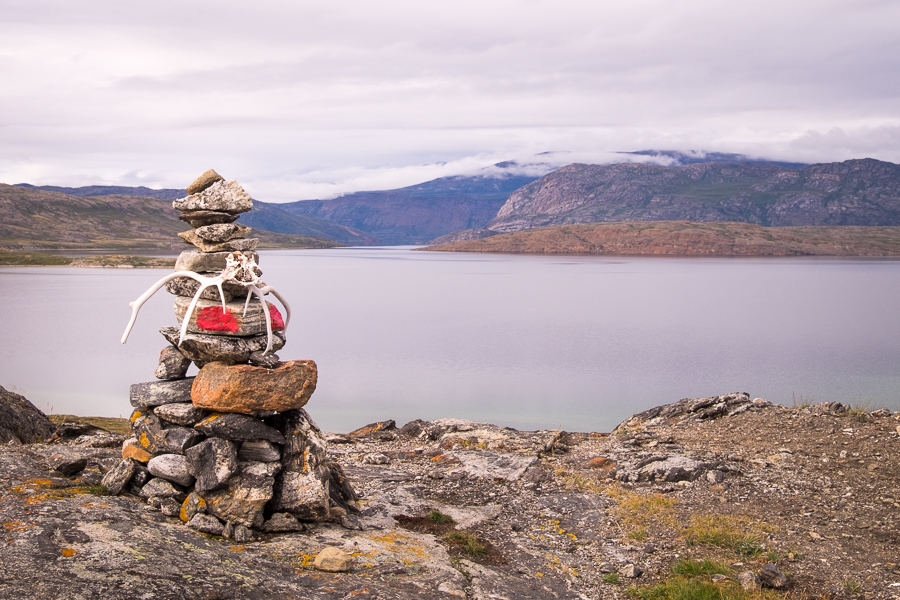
column 256, row 291
column 210, row 281
column 137, row 304
column 287, row 307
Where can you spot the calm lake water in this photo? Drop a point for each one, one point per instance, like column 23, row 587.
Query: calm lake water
column 525, row 341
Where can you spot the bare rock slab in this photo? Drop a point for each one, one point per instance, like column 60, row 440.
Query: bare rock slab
column 203, row 348
column 209, row 317
column 238, row 428
column 245, row 388
column 212, row 462
column 222, row 196
column 157, row 393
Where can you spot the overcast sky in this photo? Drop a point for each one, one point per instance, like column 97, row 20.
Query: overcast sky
column 312, row 99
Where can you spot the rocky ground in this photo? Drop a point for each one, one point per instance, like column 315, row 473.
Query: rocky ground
column 547, row 514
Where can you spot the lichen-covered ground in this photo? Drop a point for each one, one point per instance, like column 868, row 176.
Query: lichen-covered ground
column 531, row 514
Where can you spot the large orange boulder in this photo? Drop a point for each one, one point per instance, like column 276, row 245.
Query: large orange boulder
column 245, row 388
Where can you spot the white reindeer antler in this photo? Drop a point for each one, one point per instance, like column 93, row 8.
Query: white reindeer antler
column 240, row 270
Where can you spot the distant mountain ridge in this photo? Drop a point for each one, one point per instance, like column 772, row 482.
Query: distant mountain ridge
column 853, row 192
column 692, row 157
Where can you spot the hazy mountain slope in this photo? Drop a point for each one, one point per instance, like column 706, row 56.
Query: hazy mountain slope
column 38, row 219
column 683, row 238
column 854, row 192
column 689, row 158
column 109, row 190
column 272, row 217
column 417, row 213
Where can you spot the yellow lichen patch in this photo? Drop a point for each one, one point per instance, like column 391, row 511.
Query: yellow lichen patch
column 144, row 441
column 136, row 415
column 18, row 526
column 68, row 552
column 237, row 548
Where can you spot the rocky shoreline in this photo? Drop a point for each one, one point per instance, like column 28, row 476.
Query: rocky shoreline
column 456, row 509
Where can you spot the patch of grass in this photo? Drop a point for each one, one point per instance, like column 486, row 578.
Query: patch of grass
column 801, row 401
column 852, row 587
column 468, row 541
column 611, row 578
column 695, row 568
column 116, row 425
column 638, row 535
column 38, row 259
column 121, row 260
column 741, row 535
column 579, row 481
column 96, row 490
column 637, row 511
column 439, row 517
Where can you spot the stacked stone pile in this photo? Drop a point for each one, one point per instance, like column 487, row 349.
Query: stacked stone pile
column 231, row 449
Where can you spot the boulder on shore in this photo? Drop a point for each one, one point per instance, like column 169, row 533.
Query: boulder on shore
column 21, row 421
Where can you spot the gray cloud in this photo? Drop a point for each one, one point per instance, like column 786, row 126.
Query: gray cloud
column 310, row 100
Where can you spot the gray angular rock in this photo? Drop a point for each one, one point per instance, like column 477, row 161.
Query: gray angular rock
column 631, row 571
column 158, row 440
column 141, row 476
column 20, row 420
column 203, row 349
column 208, row 178
column 749, row 581
column 242, row 534
column 259, row 450
column 246, row 494
column 157, row 393
column 159, row 488
column 212, row 462
column 199, row 218
column 310, row 482
column 119, row 476
column 206, row 524
column 200, row 262
column 172, row 364
column 222, row 232
column 222, row 196
column 187, row 287
column 238, row 428
column 771, row 576
column 181, row 413
column 282, row 523
column 66, row 465
column 236, row 245
column 169, row 507
column 172, row 467
column 192, row 505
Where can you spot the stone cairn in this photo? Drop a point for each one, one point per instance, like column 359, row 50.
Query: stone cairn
column 232, row 449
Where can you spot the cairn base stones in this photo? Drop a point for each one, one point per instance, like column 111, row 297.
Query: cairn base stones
column 232, row 447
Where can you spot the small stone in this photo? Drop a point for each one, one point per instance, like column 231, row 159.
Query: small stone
column 337, row 512
column 242, row 534
column 282, row 523
column 749, row 581
column 718, row 577
column 715, row 477
column 228, row 532
column 210, row 318
column 132, row 449
column 206, row 524
column 375, row 458
column 631, row 571
column 212, row 462
column 332, row 560
column 772, row 577
column 259, row 450
column 118, row 477
column 204, row 181
column 237, row 245
column 222, row 232
column 238, row 428
column 371, row 428
column 169, row 507
column 602, row 462
column 192, row 505
column 172, row 364
column 141, row 476
column 181, row 413
column 269, row 360
column 199, row 218
column 159, row 488
column 157, row 393
column 172, row 467
column 351, row 522
column 66, row 465
column 245, row 388
column 203, row 349
column 200, row 262
column 223, row 196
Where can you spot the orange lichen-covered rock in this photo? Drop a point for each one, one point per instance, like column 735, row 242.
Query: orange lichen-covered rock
column 135, row 452
column 245, row 388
